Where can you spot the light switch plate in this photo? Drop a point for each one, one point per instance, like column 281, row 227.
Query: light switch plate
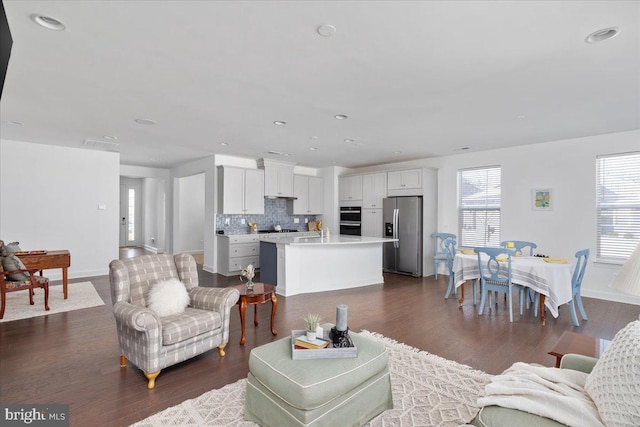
column 296, row 220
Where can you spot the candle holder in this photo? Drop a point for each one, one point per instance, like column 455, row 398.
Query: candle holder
column 340, row 339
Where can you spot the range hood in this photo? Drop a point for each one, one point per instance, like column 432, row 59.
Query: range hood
column 281, row 197
column 278, row 179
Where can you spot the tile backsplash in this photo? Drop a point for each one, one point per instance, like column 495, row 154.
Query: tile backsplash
column 275, row 213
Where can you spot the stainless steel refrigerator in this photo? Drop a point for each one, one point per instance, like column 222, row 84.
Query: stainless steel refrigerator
column 402, row 218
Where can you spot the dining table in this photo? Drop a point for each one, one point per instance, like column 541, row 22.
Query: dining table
column 550, row 278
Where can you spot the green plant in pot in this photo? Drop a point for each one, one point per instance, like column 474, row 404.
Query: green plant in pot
column 312, row 321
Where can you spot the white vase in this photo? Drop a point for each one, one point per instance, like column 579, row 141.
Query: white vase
column 311, row 335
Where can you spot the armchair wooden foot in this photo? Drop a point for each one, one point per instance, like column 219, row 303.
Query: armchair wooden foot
column 221, row 350
column 123, row 361
column 152, row 379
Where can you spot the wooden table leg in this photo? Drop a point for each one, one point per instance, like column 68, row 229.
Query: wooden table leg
column 274, row 307
column 255, row 315
column 543, row 321
column 65, row 282
column 243, row 309
column 461, row 300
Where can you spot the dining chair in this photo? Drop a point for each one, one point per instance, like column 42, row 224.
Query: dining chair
column 576, row 283
column 495, row 276
column 450, row 252
column 440, row 252
column 519, row 246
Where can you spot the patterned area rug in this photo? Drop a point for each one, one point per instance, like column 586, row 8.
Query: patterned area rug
column 427, row 391
column 81, row 295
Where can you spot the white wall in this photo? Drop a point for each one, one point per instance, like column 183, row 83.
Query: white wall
column 208, row 167
column 190, row 214
column 49, row 199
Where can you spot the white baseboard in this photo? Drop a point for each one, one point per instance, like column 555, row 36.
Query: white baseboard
column 153, row 249
column 56, row 273
column 610, row 296
column 208, row 268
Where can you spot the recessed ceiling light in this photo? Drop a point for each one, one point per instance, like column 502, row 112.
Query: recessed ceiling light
column 313, row 148
column 145, row 122
column 287, row 154
column 224, row 144
column 278, row 153
column 326, row 30
column 521, row 117
column 15, row 123
column 462, row 148
column 349, row 140
column 602, row 35
column 313, row 138
column 48, row 22
column 334, row 163
column 397, row 152
column 110, row 137
column 341, row 116
column 279, row 123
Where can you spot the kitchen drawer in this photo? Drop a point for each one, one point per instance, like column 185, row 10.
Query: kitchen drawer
column 237, row 264
column 245, row 249
column 249, row 238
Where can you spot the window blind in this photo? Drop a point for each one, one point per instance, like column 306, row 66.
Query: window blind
column 479, row 207
column 618, row 205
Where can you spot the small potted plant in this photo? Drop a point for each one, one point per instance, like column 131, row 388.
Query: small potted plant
column 312, row 323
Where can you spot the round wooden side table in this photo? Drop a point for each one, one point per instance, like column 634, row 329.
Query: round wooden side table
column 261, row 293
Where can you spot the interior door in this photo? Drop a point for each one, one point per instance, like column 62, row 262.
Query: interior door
column 130, row 212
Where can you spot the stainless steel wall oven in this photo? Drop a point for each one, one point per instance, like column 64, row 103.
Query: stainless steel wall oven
column 351, row 220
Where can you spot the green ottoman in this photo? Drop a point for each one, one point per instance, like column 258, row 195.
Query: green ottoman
column 319, row 392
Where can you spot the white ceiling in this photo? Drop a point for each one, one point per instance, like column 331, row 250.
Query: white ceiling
column 423, row 78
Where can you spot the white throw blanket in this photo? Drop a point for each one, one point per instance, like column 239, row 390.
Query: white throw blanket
column 549, row 392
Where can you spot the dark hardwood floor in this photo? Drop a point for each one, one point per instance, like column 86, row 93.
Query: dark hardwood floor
column 73, row 357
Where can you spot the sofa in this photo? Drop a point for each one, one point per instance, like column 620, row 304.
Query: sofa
column 611, row 387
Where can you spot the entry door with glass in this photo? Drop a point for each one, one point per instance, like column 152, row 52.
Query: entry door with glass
column 130, row 209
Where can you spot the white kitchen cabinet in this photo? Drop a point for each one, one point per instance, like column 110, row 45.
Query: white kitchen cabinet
column 278, row 178
column 308, row 191
column 236, row 252
column 372, row 222
column 374, row 189
column 350, row 188
column 240, row 191
column 406, row 179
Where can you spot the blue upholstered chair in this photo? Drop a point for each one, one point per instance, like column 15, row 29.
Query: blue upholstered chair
column 576, row 283
column 520, row 245
column 440, row 252
column 450, row 252
column 495, row 275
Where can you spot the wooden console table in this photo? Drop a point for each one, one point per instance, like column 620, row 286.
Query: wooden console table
column 52, row 259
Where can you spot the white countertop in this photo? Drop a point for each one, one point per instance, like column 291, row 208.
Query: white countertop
column 340, row 239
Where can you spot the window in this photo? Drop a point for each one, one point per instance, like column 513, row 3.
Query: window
column 618, row 205
column 479, row 207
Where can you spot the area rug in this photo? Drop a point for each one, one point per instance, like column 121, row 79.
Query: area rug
column 81, row 295
column 427, row 391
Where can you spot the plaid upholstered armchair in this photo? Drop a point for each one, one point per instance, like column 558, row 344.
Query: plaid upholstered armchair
column 151, row 341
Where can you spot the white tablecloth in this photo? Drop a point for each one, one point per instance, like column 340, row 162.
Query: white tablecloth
column 550, row 279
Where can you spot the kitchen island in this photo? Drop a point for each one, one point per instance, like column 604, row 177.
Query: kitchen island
column 301, row 265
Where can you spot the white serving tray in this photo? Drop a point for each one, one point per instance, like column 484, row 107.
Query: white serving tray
column 321, row 353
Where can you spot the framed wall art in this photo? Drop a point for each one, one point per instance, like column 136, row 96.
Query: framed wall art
column 542, row 199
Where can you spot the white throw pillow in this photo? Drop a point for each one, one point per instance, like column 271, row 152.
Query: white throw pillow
column 614, row 382
column 168, row 297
